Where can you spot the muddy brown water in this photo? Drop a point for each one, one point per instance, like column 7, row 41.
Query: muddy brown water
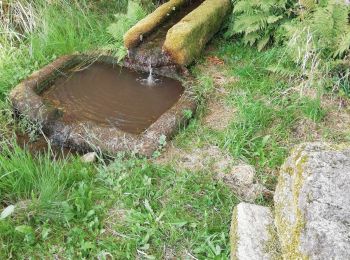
column 110, row 95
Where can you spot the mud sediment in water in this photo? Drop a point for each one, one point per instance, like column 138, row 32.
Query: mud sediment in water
column 150, row 52
column 110, row 95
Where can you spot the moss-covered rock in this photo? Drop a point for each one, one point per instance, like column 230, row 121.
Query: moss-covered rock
column 312, row 203
column 185, row 40
column 135, row 35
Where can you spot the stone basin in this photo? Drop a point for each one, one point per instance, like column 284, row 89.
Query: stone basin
column 92, row 103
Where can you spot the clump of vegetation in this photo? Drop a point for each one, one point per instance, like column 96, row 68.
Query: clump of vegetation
column 314, row 35
column 261, row 22
column 130, row 207
column 125, row 21
column 258, row 21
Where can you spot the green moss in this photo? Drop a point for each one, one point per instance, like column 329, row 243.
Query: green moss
column 292, row 231
column 289, row 170
column 234, row 235
column 149, row 23
column 186, row 39
column 272, row 246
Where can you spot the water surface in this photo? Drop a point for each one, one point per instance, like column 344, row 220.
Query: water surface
column 113, row 96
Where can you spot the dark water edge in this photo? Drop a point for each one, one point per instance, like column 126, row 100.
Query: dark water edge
column 42, row 145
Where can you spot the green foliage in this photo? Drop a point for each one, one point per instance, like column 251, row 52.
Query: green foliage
column 37, row 184
column 325, row 24
column 125, row 21
column 179, row 211
column 258, row 20
column 130, row 207
column 312, row 108
column 326, row 27
column 341, row 77
column 312, row 34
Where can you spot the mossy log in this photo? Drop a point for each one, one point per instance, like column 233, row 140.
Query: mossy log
column 185, row 40
column 135, row 35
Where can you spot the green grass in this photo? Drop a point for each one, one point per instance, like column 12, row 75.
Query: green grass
column 312, row 108
column 68, row 203
column 267, row 111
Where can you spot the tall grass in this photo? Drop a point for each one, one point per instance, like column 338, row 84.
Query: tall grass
column 56, row 28
column 38, row 185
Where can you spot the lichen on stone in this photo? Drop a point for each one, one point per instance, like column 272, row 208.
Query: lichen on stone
column 234, row 235
column 272, row 246
column 290, row 232
column 311, row 202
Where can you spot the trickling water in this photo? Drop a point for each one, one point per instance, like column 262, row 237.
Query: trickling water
column 151, row 80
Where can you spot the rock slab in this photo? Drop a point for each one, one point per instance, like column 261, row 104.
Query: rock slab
column 312, row 203
column 250, row 232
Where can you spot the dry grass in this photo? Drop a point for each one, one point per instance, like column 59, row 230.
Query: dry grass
column 218, row 115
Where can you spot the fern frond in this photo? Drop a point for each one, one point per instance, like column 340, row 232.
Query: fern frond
column 258, row 20
column 343, row 45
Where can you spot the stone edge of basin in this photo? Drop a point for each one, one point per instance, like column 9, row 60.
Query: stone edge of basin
column 186, row 39
column 86, row 136
column 145, row 26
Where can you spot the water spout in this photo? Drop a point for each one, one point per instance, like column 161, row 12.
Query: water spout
column 150, row 80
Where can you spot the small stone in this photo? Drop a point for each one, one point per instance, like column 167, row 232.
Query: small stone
column 244, row 174
column 250, row 232
column 241, row 181
column 7, row 212
column 89, row 157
